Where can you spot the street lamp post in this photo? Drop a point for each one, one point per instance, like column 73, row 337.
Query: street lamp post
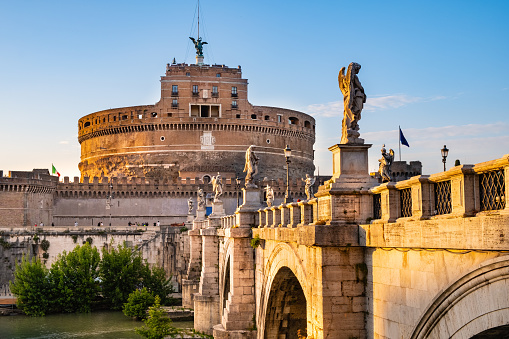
column 237, row 186
column 445, row 153
column 288, row 153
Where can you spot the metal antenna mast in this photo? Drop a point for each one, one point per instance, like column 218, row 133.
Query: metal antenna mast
column 198, row 19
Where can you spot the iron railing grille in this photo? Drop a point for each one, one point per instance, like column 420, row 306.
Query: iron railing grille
column 377, row 206
column 492, row 190
column 405, row 196
column 443, row 203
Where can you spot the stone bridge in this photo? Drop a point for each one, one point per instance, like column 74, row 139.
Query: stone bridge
column 427, row 257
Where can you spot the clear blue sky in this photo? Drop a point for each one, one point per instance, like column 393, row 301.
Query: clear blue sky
column 437, row 68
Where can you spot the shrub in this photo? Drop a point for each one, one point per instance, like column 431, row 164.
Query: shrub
column 255, row 242
column 157, row 325
column 138, row 303
column 45, row 245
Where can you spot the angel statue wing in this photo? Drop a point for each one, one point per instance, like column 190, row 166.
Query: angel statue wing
column 214, row 183
column 344, row 85
column 391, row 159
column 192, row 39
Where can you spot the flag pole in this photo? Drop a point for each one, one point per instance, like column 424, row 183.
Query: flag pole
column 399, row 137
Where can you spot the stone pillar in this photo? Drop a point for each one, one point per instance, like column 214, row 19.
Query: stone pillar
column 206, row 301
column 269, row 216
column 238, row 302
column 306, row 213
column 285, row 215
column 390, row 202
column 276, row 216
column 294, row 215
column 462, row 190
column 506, row 177
column 191, row 283
column 261, row 218
column 421, row 199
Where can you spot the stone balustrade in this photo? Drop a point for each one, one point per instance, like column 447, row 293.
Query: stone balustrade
column 462, row 191
column 228, row 221
column 288, row 215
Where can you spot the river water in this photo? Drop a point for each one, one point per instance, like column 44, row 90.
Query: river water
column 104, row 324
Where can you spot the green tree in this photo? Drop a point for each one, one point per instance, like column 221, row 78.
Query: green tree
column 121, row 271
column 31, row 287
column 157, row 325
column 74, row 279
column 155, row 281
column 138, row 303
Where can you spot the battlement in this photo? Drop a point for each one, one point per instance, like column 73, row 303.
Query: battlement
column 35, row 181
column 203, row 70
column 122, row 187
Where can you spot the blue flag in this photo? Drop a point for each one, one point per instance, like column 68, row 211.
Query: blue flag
column 402, row 138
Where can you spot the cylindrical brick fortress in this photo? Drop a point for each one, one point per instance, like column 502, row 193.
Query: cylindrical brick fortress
column 202, row 125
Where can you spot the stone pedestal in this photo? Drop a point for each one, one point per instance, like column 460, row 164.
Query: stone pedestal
column 251, row 202
column 345, row 197
column 217, row 209
column 350, row 166
column 200, row 214
column 199, row 60
column 190, row 218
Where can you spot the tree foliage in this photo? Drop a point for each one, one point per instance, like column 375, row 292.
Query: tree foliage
column 138, row 303
column 157, row 325
column 32, row 287
column 155, row 281
column 121, row 271
column 76, row 280
column 73, row 279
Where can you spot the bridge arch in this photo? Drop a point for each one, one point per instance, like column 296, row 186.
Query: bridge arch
column 473, row 306
column 284, row 294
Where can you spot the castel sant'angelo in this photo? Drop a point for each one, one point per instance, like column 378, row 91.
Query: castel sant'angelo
column 201, row 127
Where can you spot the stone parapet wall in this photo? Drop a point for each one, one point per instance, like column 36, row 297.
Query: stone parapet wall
column 465, row 190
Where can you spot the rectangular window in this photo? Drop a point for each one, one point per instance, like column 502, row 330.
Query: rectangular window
column 175, row 103
column 218, row 75
column 279, row 118
column 195, row 89
column 174, row 90
column 234, row 91
column 215, row 93
column 234, row 104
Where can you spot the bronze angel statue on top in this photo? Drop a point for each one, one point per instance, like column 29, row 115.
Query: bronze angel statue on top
column 198, row 44
column 353, row 101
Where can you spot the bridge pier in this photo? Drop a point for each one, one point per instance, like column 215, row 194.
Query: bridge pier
column 206, row 301
column 190, row 285
column 238, row 296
